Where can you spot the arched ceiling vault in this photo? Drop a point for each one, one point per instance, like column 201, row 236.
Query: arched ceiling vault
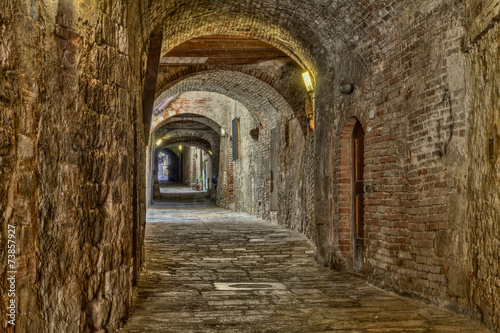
column 185, row 141
column 187, row 117
column 281, row 75
column 208, row 138
column 311, row 32
column 261, row 100
column 315, row 34
column 237, row 24
column 199, row 143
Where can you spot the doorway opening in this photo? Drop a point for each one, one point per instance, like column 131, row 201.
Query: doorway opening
column 351, row 196
column 357, row 166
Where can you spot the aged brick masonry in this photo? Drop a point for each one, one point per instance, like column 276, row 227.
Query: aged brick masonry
column 386, row 167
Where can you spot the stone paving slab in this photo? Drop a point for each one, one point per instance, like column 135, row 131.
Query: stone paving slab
column 189, row 260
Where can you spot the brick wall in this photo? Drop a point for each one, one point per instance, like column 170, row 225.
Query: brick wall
column 409, row 74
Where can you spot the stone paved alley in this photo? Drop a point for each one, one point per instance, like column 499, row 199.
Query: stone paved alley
column 214, row 270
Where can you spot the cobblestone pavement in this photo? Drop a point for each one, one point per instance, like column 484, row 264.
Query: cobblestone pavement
column 213, row 270
column 170, row 187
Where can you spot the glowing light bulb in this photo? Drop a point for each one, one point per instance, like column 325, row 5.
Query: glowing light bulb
column 307, row 81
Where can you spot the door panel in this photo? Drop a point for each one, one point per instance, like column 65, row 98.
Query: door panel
column 358, row 139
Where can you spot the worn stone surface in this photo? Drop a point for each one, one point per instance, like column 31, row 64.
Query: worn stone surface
column 483, row 216
column 73, row 161
column 213, row 270
column 71, row 177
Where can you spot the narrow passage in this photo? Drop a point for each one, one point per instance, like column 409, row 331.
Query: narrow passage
column 213, row 270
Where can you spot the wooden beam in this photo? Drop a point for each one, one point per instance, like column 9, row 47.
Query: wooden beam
column 218, row 53
column 224, row 61
column 245, row 61
column 234, row 37
column 223, row 44
column 150, row 79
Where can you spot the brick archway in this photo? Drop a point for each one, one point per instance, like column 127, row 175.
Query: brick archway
column 181, row 28
column 262, row 100
column 293, row 92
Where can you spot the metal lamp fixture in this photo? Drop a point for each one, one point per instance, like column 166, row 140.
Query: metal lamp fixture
column 307, row 81
column 222, row 132
column 180, row 148
column 158, row 142
column 346, row 86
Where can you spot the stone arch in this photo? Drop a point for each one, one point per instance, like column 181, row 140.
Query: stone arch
column 315, row 32
column 199, row 143
column 263, row 101
column 182, row 27
column 174, row 158
column 292, row 92
column 195, row 117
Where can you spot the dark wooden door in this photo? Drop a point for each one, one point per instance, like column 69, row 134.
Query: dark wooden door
column 358, row 139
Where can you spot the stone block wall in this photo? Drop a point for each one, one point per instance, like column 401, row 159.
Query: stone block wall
column 483, row 194
column 70, row 158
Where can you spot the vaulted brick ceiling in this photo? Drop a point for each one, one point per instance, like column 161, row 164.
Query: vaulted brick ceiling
column 306, row 29
column 229, row 64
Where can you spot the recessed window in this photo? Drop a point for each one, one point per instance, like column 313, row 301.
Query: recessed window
column 236, row 139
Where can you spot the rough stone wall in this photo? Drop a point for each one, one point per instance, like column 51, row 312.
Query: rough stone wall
column 187, row 165
column 247, row 185
column 296, row 171
column 68, row 107
column 19, row 110
column 483, row 191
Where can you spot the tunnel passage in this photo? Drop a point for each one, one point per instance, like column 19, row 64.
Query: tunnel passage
column 80, row 84
column 170, row 166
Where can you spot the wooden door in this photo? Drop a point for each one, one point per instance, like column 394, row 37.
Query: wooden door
column 358, row 139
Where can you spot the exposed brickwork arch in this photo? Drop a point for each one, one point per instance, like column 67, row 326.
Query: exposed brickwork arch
column 263, row 102
column 197, row 142
column 210, row 139
column 181, row 28
column 312, row 32
column 209, row 105
column 188, row 117
column 287, row 83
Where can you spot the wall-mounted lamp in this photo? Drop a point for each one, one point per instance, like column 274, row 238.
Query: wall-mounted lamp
column 180, row 148
column 307, row 81
column 158, row 142
column 372, row 114
column 210, row 152
column 346, row 86
column 222, row 132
